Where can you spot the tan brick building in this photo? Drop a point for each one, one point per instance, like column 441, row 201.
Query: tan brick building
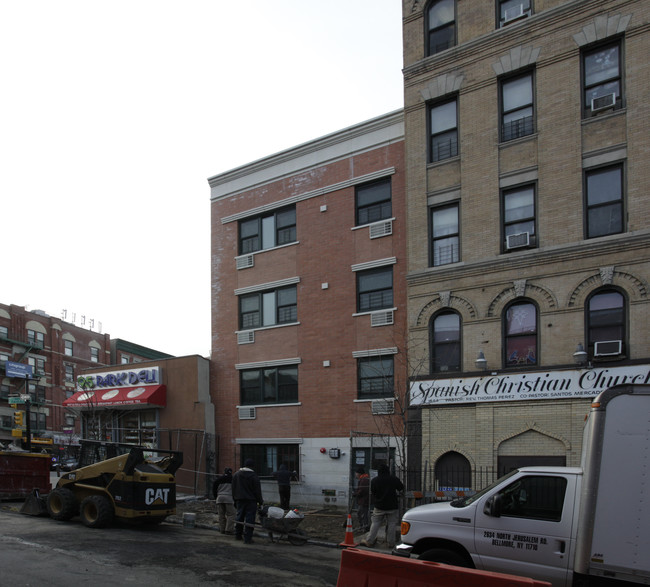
column 526, row 134
column 308, row 316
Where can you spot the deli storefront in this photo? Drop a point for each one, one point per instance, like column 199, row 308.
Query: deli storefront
column 120, row 406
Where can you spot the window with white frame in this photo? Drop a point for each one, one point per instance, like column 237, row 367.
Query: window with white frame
column 518, row 217
column 94, row 354
column 35, row 338
column 373, row 201
column 513, row 10
column 375, row 289
column 68, row 348
column 445, row 235
column 443, row 130
column 268, row 308
column 604, row 200
column 602, row 80
column 269, row 385
column 375, row 377
column 441, row 26
column 268, row 230
column 517, row 107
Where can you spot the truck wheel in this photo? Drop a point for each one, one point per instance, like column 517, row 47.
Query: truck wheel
column 61, row 504
column 442, row 555
column 96, row 511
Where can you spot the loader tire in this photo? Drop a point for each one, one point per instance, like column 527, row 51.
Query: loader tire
column 62, row 504
column 96, row 511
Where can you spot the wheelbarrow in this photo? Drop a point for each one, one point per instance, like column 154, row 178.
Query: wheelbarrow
column 284, row 528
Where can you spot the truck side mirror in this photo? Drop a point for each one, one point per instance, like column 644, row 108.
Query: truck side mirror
column 493, row 506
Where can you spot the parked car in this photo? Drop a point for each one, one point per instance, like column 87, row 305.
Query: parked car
column 69, row 464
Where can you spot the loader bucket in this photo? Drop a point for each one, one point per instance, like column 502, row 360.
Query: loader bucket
column 34, row 505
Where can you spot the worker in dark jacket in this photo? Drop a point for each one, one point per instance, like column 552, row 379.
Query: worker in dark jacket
column 384, row 488
column 284, row 477
column 247, row 493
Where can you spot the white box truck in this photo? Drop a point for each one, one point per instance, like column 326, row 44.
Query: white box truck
column 587, row 525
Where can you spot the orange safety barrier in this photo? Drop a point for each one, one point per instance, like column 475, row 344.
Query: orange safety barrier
column 363, row 568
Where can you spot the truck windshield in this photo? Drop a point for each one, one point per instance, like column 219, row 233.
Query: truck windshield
column 465, row 501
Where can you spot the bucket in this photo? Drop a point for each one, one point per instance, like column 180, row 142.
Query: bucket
column 189, row 520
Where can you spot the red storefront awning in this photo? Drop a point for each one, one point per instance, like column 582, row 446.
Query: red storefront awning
column 141, row 395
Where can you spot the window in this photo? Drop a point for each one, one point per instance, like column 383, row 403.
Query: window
column 38, row 365
column 373, row 202
column 376, row 377
column 125, row 360
column 441, row 26
column 445, row 242
column 444, row 131
column 445, row 342
column 512, row 10
column 602, row 82
column 36, row 339
column 269, row 457
column 375, row 289
column 519, row 217
column 68, row 348
column 534, row 497
column 605, row 318
column 268, row 308
column 521, row 334
column 604, row 201
column 4, row 332
column 69, row 373
column 272, row 385
column 94, row 354
column 517, row 107
column 267, row 231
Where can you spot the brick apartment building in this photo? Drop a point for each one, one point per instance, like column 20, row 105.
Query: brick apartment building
column 308, row 308
column 526, row 136
column 143, row 397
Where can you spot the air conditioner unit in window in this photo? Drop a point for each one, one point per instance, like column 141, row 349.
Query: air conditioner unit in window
column 514, row 241
column 602, row 102
column 383, row 318
column 245, row 261
column 608, row 348
column 379, row 229
column 513, row 13
column 382, row 407
column 246, row 337
column 246, row 413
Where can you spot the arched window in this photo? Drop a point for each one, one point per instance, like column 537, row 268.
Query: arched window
column 605, row 323
column 453, row 472
column 441, row 26
column 520, row 334
column 445, row 342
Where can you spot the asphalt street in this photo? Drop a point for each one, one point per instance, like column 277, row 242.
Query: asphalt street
column 37, row 551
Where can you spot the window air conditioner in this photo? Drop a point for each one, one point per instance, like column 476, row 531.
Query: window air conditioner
column 382, row 407
column 246, row 413
column 245, row 261
column 607, row 348
column 246, row 337
column 379, row 229
column 383, row 318
column 602, row 102
column 513, row 13
column 514, row 241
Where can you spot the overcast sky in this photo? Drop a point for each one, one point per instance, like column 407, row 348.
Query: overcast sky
column 113, row 116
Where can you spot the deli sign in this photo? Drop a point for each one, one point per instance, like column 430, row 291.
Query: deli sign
column 151, row 376
column 525, row 386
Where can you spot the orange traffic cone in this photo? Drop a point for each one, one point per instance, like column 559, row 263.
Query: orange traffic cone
column 349, row 534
